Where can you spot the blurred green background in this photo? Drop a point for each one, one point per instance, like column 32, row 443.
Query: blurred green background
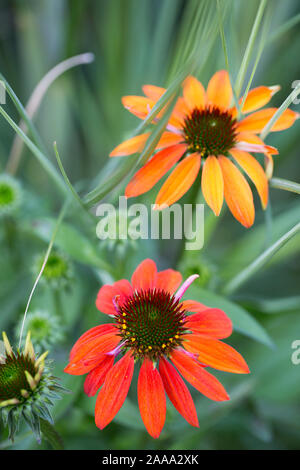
column 137, row 42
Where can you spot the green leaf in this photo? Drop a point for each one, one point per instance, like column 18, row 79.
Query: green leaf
column 242, row 321
column 51, row 435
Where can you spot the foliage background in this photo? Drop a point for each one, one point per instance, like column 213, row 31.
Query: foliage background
column 137, row 42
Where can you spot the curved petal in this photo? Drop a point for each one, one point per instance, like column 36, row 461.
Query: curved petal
column 130, row 146
column 93, row 333
column 193, row 93
column 154, row 170
column 193, row 306
column 153, row 92
column 95, row 379
column 179, row 181
column 197, row 376
column 152, row 399
column 138, row 105
column 168, row 139
column 145, row 275
column 210, row 322
column 114, row 391
column 91, row 354
column 216, row 354
column 219, row 91
column 256, row 122
column 255, row 172
column 168, row 280
column 212, row 184
column 238, row 194
column 178, row 392
column 258, row 97
column 104, row 301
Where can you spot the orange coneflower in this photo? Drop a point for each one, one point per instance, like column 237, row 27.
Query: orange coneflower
column 153, row 326
column 204, row 126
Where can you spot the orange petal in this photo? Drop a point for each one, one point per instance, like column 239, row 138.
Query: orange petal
column 251, row 138
column 114, row 391
column 106, row 294
column 193, row 306
column 153, row 92
column 95, row 379
column 256, row 122
column 168, row 280
column 169, row 138
column 198, row 377
column 258, row 97
column 151, row 398
column 179, row 181
column 178, row 392
column 255, row 172
column 93, row 333
column 238, row 194
column 154, row 170
column 130, row 146
column 193, row 93
column 138, row 105
column 210, row 322
column 212, row 184
column 216, row 354
column 219, row 91
column 145, row 275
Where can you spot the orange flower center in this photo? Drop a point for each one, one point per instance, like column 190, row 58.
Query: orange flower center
column 151, row 323
column 210, row 131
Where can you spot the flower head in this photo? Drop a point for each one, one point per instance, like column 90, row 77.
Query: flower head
column 205, row 129
column 58, row 270
column 152, row 326
column 26, row 387
column 10, row 194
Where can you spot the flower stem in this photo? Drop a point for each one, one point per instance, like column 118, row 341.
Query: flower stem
column 286, row 185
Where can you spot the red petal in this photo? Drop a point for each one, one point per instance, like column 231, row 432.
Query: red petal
column 215, row 354
column 96, row 377
column 178, row 392
column 91, row 334
column 144, row 277
column 197, row 376
column 211, row 322
column 114, row 391
column 193, row 306
column 104, row 301
column 168, row 280
column 152, row 399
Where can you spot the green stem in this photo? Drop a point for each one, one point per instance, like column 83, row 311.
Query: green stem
column 286, row 185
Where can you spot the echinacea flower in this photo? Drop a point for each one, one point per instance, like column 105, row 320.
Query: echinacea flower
column 205, row 128
column 27, row 388
column 152, row 326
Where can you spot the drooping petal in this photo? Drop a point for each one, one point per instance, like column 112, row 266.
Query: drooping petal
column 95, row 379
column 256, row 122
column 178, row 392
column 212, row 184
column 210, row 322
column 138, row 105
column 193, row 306
column 151, row 398
column 107, row 293
column 255, row 172
column 153, row 92
column 180, row 293
column 154, row 170
column 216, row 354
column 197, row 376
column 94, row 332
column 130, row 146
column 238, row 194
column 193, row 93
column 179, row 181
column 145, row 275
column 168, row 280
column 219, row 91
column 114, row 391
column 168, row 139
column 258, row 97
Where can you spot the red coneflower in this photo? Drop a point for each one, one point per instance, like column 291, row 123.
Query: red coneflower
column 153, row 326
column 204, row 126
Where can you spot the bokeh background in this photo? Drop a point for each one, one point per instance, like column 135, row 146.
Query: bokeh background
column 136, row 42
